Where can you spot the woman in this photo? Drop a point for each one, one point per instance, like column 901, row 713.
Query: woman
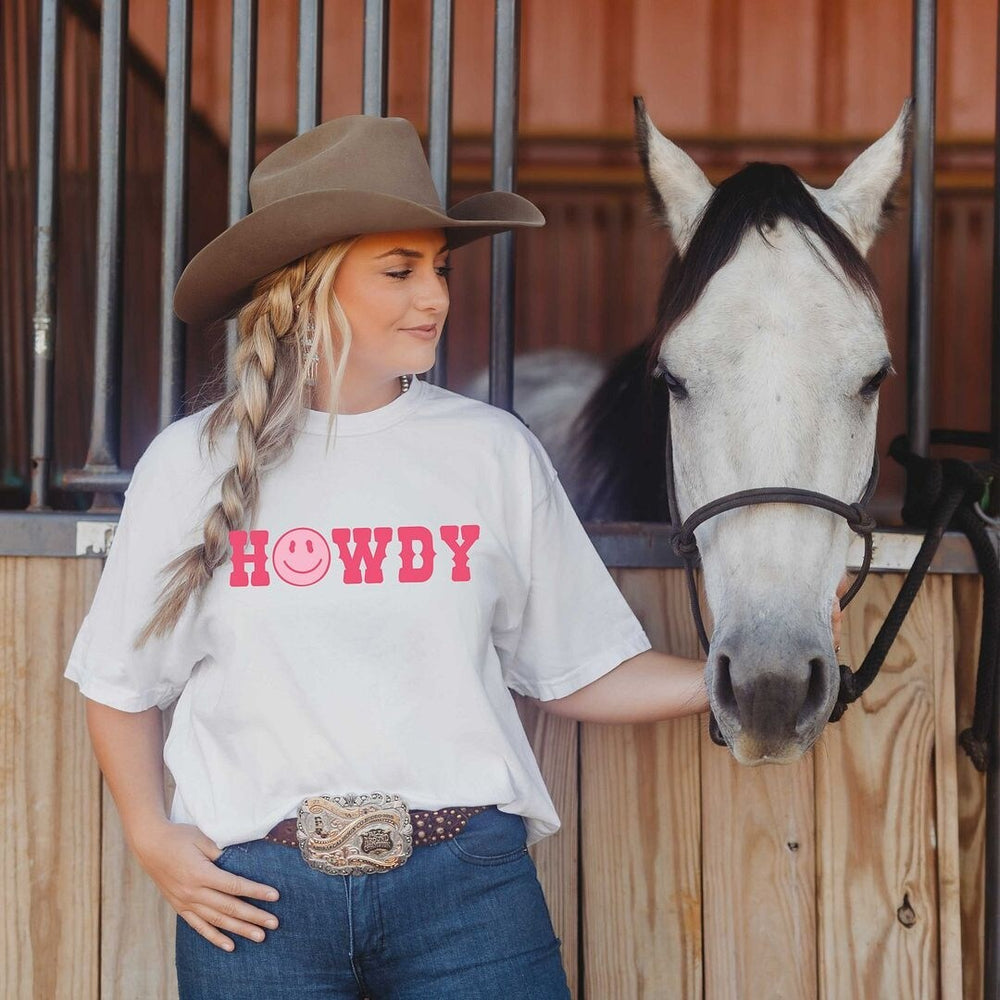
column 337, row 573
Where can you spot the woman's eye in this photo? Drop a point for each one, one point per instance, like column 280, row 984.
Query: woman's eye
column 399, row 275
column 676, row 385
column 871, row 386
column 444, row 270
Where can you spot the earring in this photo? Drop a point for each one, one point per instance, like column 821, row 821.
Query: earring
column 312, row 358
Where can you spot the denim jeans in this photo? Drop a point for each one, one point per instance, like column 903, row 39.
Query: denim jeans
column 461, row 920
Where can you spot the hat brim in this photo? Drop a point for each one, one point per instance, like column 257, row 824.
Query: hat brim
column 220, row 277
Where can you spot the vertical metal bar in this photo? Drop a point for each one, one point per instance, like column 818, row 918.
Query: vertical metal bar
column 921, row 272
column 102, row 457
column 375, row 89
column 243, row 103
column 439, row 133
column 178, row 100
column 46, row 248
column 995, row 341
column 310, row 64
column 991, row 885
column 505, row 92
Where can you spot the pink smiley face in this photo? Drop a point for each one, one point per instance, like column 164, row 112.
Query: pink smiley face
column 301, row 557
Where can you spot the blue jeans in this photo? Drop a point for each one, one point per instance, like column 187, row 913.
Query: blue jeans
column 461, row 920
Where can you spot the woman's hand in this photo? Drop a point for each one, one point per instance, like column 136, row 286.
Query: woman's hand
column 180, row 859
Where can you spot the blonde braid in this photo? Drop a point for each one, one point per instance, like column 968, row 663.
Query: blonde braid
column 265, row 406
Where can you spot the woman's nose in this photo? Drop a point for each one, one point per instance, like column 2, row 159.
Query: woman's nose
column 432, row 292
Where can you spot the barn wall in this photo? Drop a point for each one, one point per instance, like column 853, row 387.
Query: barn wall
column 853, row 873
column 745, row 67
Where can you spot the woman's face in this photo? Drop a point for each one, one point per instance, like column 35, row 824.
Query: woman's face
column 393, row 287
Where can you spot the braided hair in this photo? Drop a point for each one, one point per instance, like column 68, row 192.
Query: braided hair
column 289, row 308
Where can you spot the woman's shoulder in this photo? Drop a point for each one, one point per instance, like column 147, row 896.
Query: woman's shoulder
column 489, row 429
column 482, row 416
column 180, row 450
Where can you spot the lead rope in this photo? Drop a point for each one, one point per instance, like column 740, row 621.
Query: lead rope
column 944, row 493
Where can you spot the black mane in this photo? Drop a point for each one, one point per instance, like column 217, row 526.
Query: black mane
column 621, row 433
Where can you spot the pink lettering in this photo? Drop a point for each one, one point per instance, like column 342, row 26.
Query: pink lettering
column 460, row 550
column 408, row 572
column 362, row 552
column 238, row 575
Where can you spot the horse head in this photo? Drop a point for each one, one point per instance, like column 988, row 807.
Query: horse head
column 771, row 342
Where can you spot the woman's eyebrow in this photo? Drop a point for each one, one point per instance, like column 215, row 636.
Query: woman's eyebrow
column 407, row 252
column 400, row 252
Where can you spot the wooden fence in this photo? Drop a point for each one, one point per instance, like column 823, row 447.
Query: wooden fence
column 853, row 874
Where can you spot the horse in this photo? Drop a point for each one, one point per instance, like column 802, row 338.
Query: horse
column 765, row 359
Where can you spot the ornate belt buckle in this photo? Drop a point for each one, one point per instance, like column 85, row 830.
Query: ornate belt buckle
column 354, row 834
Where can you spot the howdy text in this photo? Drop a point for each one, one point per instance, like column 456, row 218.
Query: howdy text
column 302, row 556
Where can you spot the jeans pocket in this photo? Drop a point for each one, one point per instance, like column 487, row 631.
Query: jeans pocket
column 227, row 853
column 490, row 838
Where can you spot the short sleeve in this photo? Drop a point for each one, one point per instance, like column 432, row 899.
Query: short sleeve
column 157, row 522
column 576, row 625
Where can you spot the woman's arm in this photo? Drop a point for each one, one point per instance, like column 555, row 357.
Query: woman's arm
column 652, row 686
column 645, row 688
column 176, row 856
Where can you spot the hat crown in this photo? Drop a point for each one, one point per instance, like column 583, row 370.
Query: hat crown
column 358, row 153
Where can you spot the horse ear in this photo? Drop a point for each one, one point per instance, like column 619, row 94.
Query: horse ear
column 677, row 187
column 860, row 198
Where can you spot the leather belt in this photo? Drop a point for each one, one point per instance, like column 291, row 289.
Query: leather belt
column 366, row 833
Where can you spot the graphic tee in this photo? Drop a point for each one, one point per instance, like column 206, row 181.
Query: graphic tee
column 366, row 629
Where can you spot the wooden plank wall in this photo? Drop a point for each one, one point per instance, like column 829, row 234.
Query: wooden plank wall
column 855, row 873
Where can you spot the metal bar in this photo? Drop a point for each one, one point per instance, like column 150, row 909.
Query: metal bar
column 505, row 80
column 243, row 102
column 921, row 273
column 995, row 344
column 178, row 101
column 991, row 884
column 439, row 134
column 102, row 456
column 375, row 89
column 310, row 95
column 46, row 249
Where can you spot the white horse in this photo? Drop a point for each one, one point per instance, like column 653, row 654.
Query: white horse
column 772, row 345
column 770, row 341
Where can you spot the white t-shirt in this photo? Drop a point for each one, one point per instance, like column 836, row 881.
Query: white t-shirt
column 364, row 635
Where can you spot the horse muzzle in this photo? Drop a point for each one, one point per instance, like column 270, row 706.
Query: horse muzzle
column 771, row 700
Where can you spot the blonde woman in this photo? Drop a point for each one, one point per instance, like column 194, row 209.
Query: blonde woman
column 335, row 575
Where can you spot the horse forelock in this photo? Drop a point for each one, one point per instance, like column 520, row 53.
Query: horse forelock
column 756, row 198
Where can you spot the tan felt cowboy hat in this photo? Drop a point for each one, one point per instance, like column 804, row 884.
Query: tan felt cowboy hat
column 347, row 177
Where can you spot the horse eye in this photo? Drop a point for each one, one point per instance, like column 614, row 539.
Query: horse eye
column 871, row 386
column 676, row 385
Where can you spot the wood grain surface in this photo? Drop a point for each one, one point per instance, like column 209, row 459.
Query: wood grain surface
column 876, row 818
column 968, row 602
column 555, row 742
column 640, row 803
column 856, row 873
column 50, row 786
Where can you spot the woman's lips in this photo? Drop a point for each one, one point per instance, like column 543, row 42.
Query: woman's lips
column 428, row 332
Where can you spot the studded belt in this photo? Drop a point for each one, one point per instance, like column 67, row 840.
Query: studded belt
column 365, row 833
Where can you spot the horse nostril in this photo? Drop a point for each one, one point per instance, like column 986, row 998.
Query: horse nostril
column 816, row 693
column 725, row 696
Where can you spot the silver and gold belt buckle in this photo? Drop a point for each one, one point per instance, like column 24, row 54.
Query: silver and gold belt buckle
column 354, row 834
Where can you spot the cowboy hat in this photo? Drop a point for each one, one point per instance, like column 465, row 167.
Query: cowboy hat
column 346, row 177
